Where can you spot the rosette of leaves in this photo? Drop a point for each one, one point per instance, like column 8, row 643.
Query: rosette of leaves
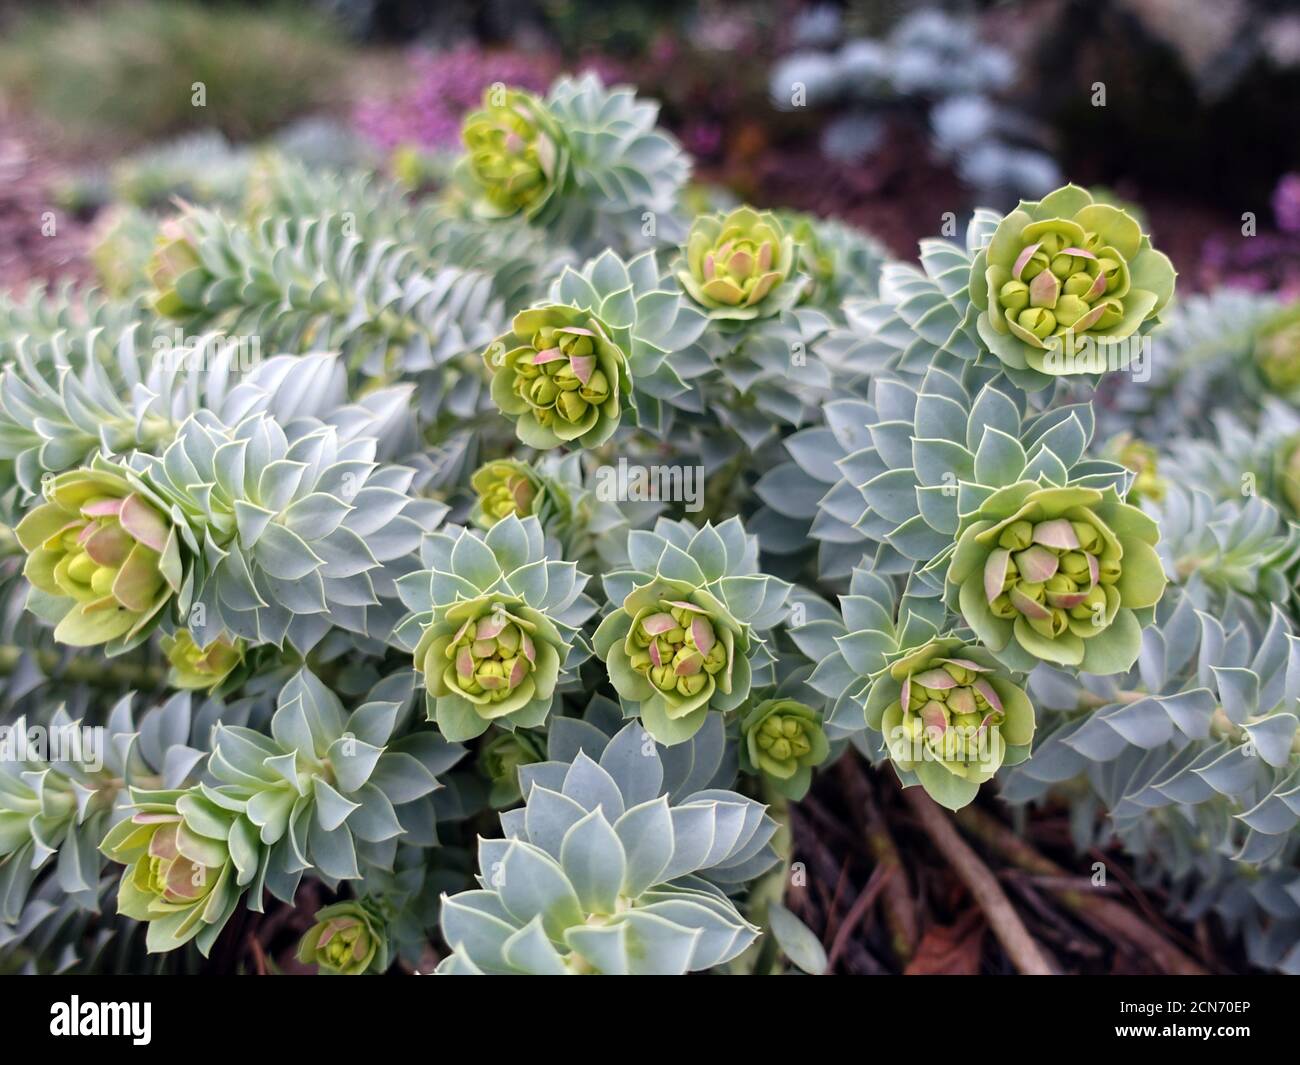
column 588, row 163
column 1058, row 574
column 70, row 389
column 783, row 740
column 554, row 489
column 298, row 530
column 842, row 261
column 194, row 668
column 105, row 557
column 1277, row 353
column 686, row 634
column 1193, row 755
column 494, row 626
column 348, row 939
column 515, row 155
column 329, row 791
column 741, row 265
column 849, row 646
column 1233, row 558
column 602, row 871
column 189, row 860
column 750, row 369
column 951, row 717
column 500, row 759
column 1206, row 364
column 307, row 284
column 1234, row 459
column 56, row 799
column 633, row 323
column 1064, row 270
column 892, row 475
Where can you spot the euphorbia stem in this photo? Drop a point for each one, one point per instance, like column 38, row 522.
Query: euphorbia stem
column 85, row 670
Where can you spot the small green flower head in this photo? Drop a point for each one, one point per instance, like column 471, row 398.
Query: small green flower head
column 189, row 861
column 196, row 668
column 783, row 740
column 1277, row 351
column 102, row 546
column 1143, row 460
column 348, row 939
column 1289, row 474
column 1064, row 269
column 1059, row 573
column 951, row 716
column 559, row 377
column 500, row 759
column 492, row 656
column 514, row 153
column 672, row 648
column 174, row 267
column 739, row 265
column 504, row 487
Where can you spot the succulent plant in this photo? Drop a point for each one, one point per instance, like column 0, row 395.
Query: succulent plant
column 951, row 716
column 504, row 487
column 190, row 860
column 493, row 627
column 587, row 163
column 894, row 474
column 105, row 558
column 201, row 668
column 603, row 872
column 327, row 790
column 1065, row 575
column 560, row 377
column 262, row 538
column 1144, row 461
column 500, row 759
column 514, row 152
column 562, row 490
column 1277, row 352
column 685, row 637
column 1064, row 270
column 295, row 530
column 783, row 740
column 738, row 265
column 348, row 939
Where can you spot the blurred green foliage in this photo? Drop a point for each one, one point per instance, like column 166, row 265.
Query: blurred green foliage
column 128, row 71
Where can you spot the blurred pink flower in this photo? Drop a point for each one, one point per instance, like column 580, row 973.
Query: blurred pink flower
column 444, row 86
column 1286, row 203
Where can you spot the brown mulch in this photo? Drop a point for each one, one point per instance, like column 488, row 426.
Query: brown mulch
column 869, row 861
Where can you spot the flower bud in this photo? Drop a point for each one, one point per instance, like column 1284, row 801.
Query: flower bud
column 692, row 685
column 596, row 390
column 1037, row 320
column 1112, row 314
column 1088, row 536
column 1077, row 284
column 1017, row 536
column 1014, row 296
column 1069, row 309
column 664, row 678
column 572, row 406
